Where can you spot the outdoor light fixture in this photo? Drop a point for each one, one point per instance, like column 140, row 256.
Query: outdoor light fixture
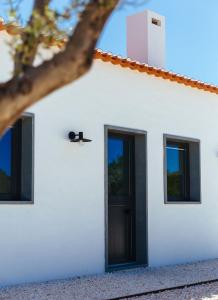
column 75, row 138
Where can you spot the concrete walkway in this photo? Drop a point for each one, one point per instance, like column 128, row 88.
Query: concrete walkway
column 200, row 292
column 117, row 284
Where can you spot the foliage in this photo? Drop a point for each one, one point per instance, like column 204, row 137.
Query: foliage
column 45, row 27
column 115, row 176
column 75, row 29
column 173, row 184
column 42, row 31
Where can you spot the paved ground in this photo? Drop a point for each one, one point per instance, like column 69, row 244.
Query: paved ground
column 124, row 283
column 202, row 292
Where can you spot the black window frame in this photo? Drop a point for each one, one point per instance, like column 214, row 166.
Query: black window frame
column 16, row 194
column 192, row 182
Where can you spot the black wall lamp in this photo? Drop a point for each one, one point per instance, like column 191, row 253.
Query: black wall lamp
column 77, row 137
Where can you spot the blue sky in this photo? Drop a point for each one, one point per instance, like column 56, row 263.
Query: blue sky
column 191, row 34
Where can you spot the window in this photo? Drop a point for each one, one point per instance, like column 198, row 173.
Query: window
column 182, row 170
column 177, row 171
column 119, row 175
column 16, row 162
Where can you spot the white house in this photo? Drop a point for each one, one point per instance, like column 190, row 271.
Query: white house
column 144, row 191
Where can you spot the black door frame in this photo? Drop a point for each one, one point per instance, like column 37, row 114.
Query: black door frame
column 141, row 156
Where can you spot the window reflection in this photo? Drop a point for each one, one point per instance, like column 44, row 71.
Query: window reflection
column 177, row 171
column 118, row 171
column 5, row 162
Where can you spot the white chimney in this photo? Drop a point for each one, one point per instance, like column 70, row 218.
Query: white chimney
column 146, row 38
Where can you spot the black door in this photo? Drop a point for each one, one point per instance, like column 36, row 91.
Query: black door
column 121, row 200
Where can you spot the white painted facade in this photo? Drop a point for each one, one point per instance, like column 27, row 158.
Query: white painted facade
column 63, row 233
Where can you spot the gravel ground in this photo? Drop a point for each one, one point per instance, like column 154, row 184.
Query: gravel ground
column 122, row 283
column 200, row 292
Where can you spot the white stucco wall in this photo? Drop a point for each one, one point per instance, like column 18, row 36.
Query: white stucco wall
column 62, row 233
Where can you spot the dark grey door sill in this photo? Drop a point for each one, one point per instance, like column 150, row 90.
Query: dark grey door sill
column 124, row 266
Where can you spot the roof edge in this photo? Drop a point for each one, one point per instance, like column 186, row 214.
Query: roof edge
column 144, row 68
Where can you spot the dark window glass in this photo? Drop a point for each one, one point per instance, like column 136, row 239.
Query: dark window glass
column 10, row 161
column 177, row 171
column 118, row 166
column 5, row 162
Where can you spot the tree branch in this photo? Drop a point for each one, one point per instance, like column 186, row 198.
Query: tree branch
column 37, row 82
column 39, row 5
column 27, row 40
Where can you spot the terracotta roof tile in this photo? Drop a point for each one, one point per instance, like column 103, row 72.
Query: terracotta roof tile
column 143, row 68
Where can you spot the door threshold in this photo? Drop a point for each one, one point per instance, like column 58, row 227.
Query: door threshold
column 125, row 266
